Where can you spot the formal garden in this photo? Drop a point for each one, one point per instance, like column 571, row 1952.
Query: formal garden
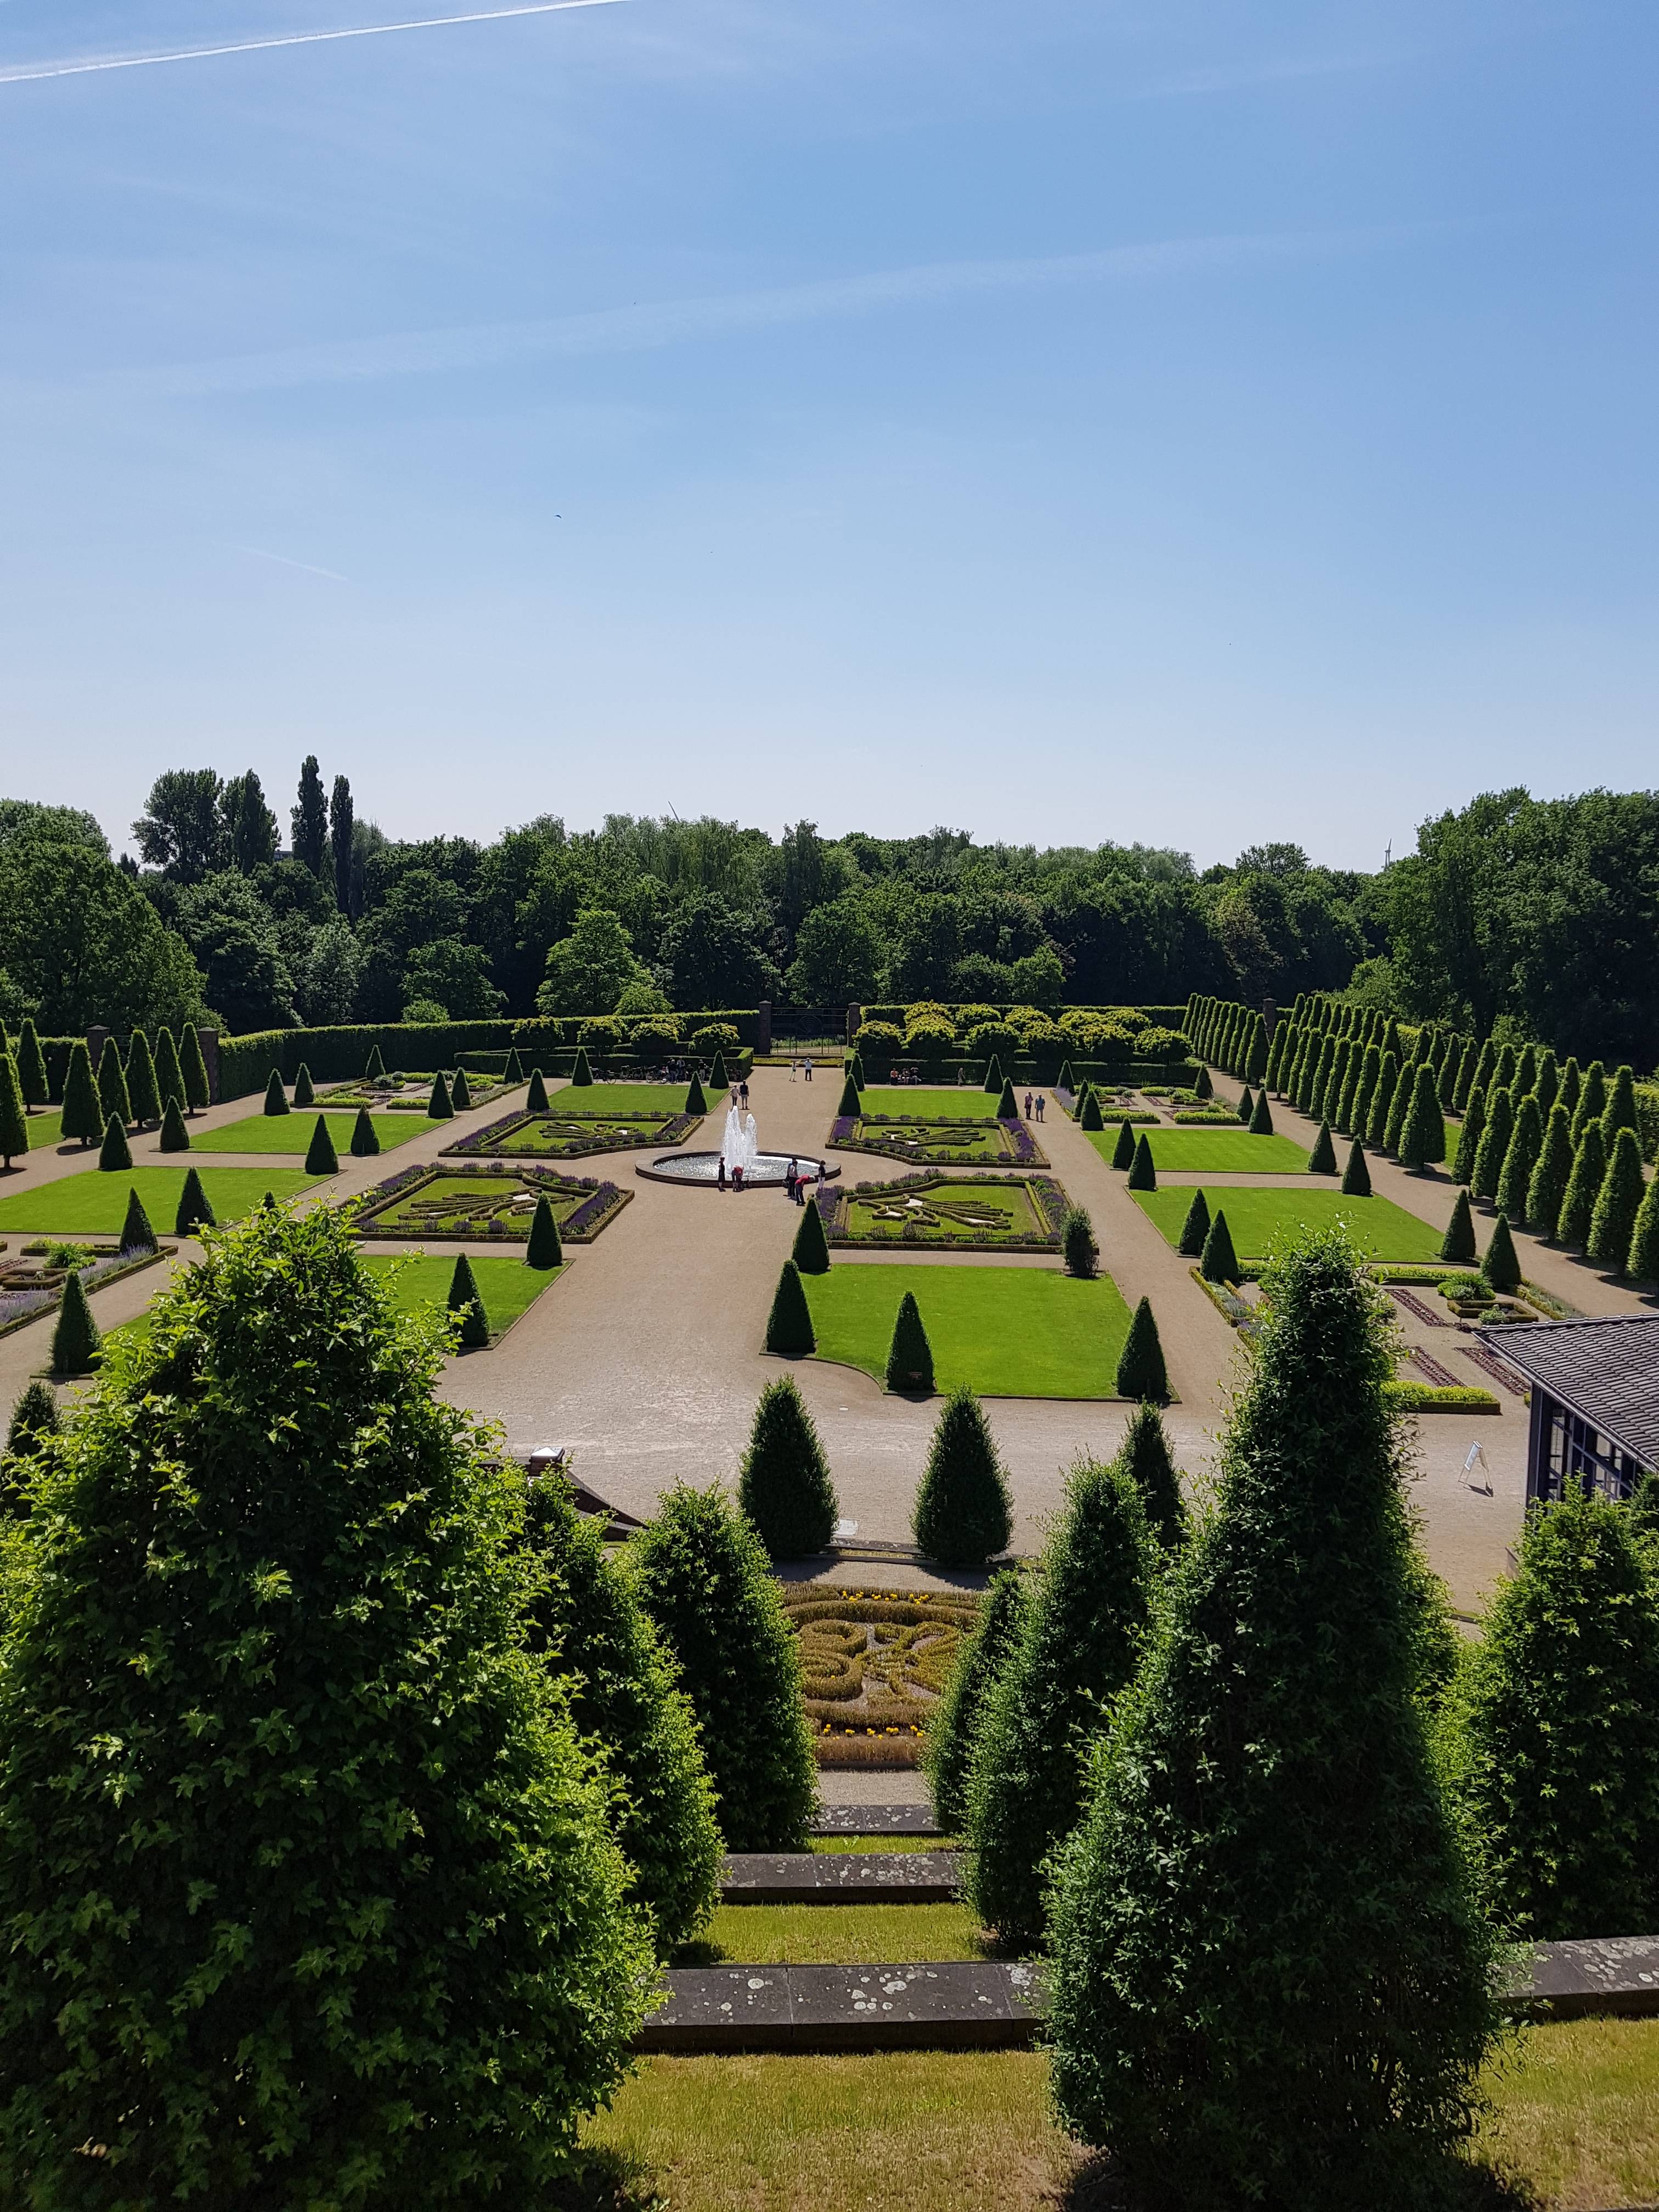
column 1017, row 1214
column 1229, row 1151
column 569, row 1135
column 94, row 1205
column 939, row 1143
column 1263, row 1219
column 486, row 1202
column 296, row 1132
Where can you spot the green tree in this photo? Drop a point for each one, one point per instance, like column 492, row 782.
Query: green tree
column 703, row 1578
column 34, row 1417
column 1641, row 1262
column 1526, row 1143
column 1494, row 1144
column 341, row 830
column 1142, row 1176
column 142, row 1090
column 1141, row 1373
column 1219, row 1262
column 1246, row 1106
column 1458, row 1243
column 1388, row 1082
column 964, row 1514
column 785, row 1486
column 276, row 1096
column 309, row 822
column 112, row 1085
column 174, row 1136
column 194, row 1210
column 439, row 1107
column 321, row 1158
column 536, row 1097
column 114, row 1154
column 1123, row 1151
column 543, row 1250
column 137, row 1235
column 623, row 1686
column 1319, row 2043
column 460, row 1092
column 848, row 1108
column 1006, row 1109
column 1551, row 1173
column 1556, row 1734
column 811, row 1250
column 194, row 1067
column 169, row 1076
column 993, row 1082
column 1077, row 1247
column 1616, row 1204
column 365, row 1137
column 1321, row 1160
column 694, row 1101
column 1499, row 1265
column 581, row 1075
column 1589, row 1166
column 1469, row 1137
column 1196, row 1226
column 1423, row 1138
column 375, row 1065
column 182, row 830
column 1089, row 1115
column 84, row 945
column 304, row 1095
column 1592, row 1100
column 953, row 1728
column 909, row 1355
column 588, row 971
column 32, row 1065
column 1261, row 1120
column 1147, row 1456
column 789, row 1332
column 1355, row 1176
column 77, row 1348
column 1620, row 1112
column 466, row 1303
column 1077, row 1647
column 13, row 1115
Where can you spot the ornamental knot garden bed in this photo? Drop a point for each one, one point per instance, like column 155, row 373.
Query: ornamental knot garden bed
column 1006, row 1213
column 874, row 1665
column 939, row 1140
column 402, row 1093
column 32, row 1284
column 570, row 1135
column 486, row 1203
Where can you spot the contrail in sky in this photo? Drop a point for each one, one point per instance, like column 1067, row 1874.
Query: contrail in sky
column 293, row 39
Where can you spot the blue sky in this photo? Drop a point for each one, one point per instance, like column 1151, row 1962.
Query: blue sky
column 1187, row 422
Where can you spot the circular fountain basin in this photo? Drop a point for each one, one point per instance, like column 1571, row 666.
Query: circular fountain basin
column 703, row 1168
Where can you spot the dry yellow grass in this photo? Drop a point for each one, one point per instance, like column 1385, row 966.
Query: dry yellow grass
column 1576, row 2113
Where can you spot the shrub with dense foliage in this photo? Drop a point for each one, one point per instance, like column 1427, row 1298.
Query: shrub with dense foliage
column 1499, row 1264
column 953, row 1728
column 789, row 1325
column 1589, row 1166
column 909, row 1355
column 142, row 1087
column 321, row 1159
column 543, row 1249
column 1458, row 1243
column 1616, row 1204
column 337, row 1865
column 137, row 1235
column 194, row 1068
column 1196, row 1226
column 365, row 1137
column 1219, row 1262
column 1077, row 1247
column 82, row 1114
column 964, row 1512
column 1147, row 1456
column 175, row 1137
column 1143, row 1175
column 276, row 1096
column 810, row 1249
column 115, row 1153
column 465, row 1301
column 1141, row 1373
column 1076, row 1649
column 1271, row 1981
column 785, row 1486
column 702, row 1577
column 76, row 1339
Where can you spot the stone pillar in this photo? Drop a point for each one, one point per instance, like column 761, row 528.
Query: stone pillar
column 855, row 1017
column 763, row 1028
column 1269, row 1017
column 210, row 1054
column 95, row 1037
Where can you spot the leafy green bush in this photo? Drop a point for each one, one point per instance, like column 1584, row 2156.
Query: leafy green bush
column 1551, row 1173
column 112, row 1085
column 169, row 1076
column 175, row 1138
column 341, row 1870
column 1219, row 1262
column 1423, row 1134
column 1076, row 1648
column 194, row 1067
column 848, row 1108
column 543, row 1249
column 789, row 1330
column 1262, row 1118
column 993, row 1082
column 276, row 1096
column 1271, row 1983
column 77, row 1340
column 142, row 1090
column 1196, row 1226
column 909, row 1355
column 718, row 1080
column 1006, row 1109
column 114, row 1152
column 1641, row 1262
column 963, row 1513
column 439, row 1106
column 1590, row 1168
column 1556, row 1731
column 1494, row 1144
column 581, row 1074
column 953, row 1729
column 1142, row 1176
column 785, row 1486
column 460, row 1092
column 467, row 1300
column 1140, row 1371
column 365, row 1137
column 82, row 1113
column 34, row 1416
column 1150, row 1464
column 1321, row 1160
column 1499, row 1265
column 811, row 1250
column 536, row 1097
column 1458, row 1243
column 1077, row 1247
column 195, row 1211
column 695, row 1102
column 1123, row 1151
column 1246, row 1105
column 137, row 1235
column 1357, row 1174
column 304, row 1095
column 1617, row 1202
column 31, row 1064
column 321, row 1158
column 625, row 1697
column 702, row 1576
column 1515, row 1177
column 1089, row 1115
column 375, row 1065
column 1388, row 1082
column 1202, row 1086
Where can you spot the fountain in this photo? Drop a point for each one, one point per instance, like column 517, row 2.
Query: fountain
column 739, row 1147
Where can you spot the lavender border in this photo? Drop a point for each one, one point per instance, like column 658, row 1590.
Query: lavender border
column 1047, row 1198
column 1026, row 1152
column 18, row 1308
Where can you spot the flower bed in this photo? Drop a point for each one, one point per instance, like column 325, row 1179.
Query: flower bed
column 939, row 1140
column 874, row 1665
column 405, row 1093
column 571, row 1136
column 1007, row 1213
column 27, row 1293
column 465, row 1205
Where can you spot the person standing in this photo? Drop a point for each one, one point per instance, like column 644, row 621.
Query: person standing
column 1028, row 1105
column 722, row 1172
column 1039, row 1106
column 743, row 1093
column 806, row 1069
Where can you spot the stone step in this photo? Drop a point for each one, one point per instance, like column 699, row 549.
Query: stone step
column 1610, row 1973
column 875, row 1820
column 946, row 2005
column 841, row 1877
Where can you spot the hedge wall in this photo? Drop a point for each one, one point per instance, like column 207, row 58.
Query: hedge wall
column 1165, row 1016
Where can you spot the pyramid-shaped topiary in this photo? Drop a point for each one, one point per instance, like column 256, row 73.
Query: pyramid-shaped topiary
column 33, row 1418
column 82, row 1114
column 1423, row 1136
column 304, row 1095
column 175, row 1137
column 194, row 1069
column 789, row 1324
column 811, row 1250
column 460, row 1092
column 909, row 1355
column 1641, row 1262
column 114, row 1152
column 321, row 1159
column 1356, row 1175
column 512, row 1073
column 1202, row 1086
column 1141, row 1373
column 1146, row 1458
column 1592, row 1102
column 31, row 1064
column 14, row 1114
column 365, row 1137
column 1219, row 1262
column 1526, row 1143
column 1246, row 1105
column 1064, row 1081
column 536, row 1099
column 1143, row 1175
column 543, row 1249
column 1262, row 1119
column 1078, row 1249
column 276, row 1096
column 1469, row 1137
column 1089, row 1115
column 718, row 1078
column 993, row 1082
column 1006, row 1109
column 1552, row 1173
column 194, row 1211
column 1377, row 1120
column 375, row 1065
column 141, row 1088
column 1494, row 1144
column 1321, row 1160
column 964, row 1514
column 466, row 1300
column 695, row 1102
column 1196, row 1226
column 947, row 1750
column 137, row 1235
column 1620, row 1112
column 112, row 1085
column 1123, row 1151
column 1458, row 1243
column 1589, row 1166
column 581, row 1075
column 1614, row 1221
column 77, row 1340
column 855, row 1069
column 169, row 1076
column 1499, row 1265
column 785, row 1486
column 439, row 1107
column 848, row 1108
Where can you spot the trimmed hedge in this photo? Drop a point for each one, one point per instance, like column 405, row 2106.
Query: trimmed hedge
column 953, row 1730
column 785, row 1486
column 963, row 1513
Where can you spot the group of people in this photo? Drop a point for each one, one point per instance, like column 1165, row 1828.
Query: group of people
column 795, row 1183
column 1039, row 1106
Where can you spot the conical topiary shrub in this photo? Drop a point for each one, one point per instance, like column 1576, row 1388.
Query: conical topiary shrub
column 1641, row 1262
column 695, row 1102
column 460, row 1092
column 1499, row 1265
column 718, row 1078
column 1422, row 1137
column 1551, row 1173
column 1333, row 2001
column 848, row 1108
column 1141, row 1373
column 1616, row 1204
column 1123, row 1151
column 114, row 1152
column 466, row 1300
column 1589, row 1166
column 1321, row 1160
column 303, row 1093
column 1065, row 1080
column 513, row 1072
column 1376, row 1123
column 1515, row 1177
column 137, row 1235
column 142, row 1090
column 1195, row 1228
column 1592, row 1102
column 1220, row 1263
column 175, row 1137
column 1356, row 1175
column 785, row 1486
column 543, row 1249
column 1150, row 1464
column 193, row 1068
column 962, row 1514
column 1620, row 1112
column 536, row 1098
column 82, row 1114
column 811, row 1250
column 789, row 1325
column 194, row 1211
column 1078, row 1248
column 438, row 1106
column 1469, row 1137
column 1202, row 1086
column 276, row 1096
column 112, row 1085
column 1262, row 1119
column 1143, row 1175
column 909, row 1355
column 1089, row 1115
column 375, row 1065
column 1494, row 1144
column 855, row 1069
column 993, row 1082
column 947, row 1751
column 1006, row 1109
column 581, row 1075
column 1076, row 1648
column 76, row 1342
column 365, row 1137
column 702, row 1576
column 1246, row 1105
column 169, row 1076
column 33, row 1418
column 321, row 1159
column 32, row 1065
column 1458, row 1243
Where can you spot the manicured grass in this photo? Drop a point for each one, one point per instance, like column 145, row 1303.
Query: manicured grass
column 968, row 1103
column 506, row 1286
column 572, row 1134
column 1576, row 2117
column 951, row 1210
column 1212, row 1151
column 1006, row 1332
column 453, row 1203
column 292, row 1133
column 837, row 1935
column 46, row 1127
column 1259, row 1217
column 934, row 1144
column 626, row 1098
column 95, row 1204
column 838, row 1846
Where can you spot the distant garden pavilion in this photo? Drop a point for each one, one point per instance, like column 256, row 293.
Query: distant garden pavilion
column 1594, row 1401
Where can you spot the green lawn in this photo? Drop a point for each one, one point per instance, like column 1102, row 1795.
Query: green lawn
column 1006, row 1332
column 1259, row 1217
column 95, row 1204
column 46, row 1127
column 626, row 1098
column 968, row 1104
column 837, row 1935
column 508, row 1287
column 292, row 1133
column 1212, row 1151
